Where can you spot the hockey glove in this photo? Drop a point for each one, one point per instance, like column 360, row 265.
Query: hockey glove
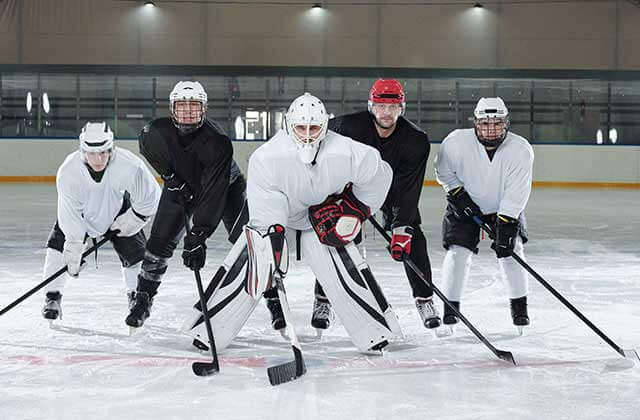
column 507, row 229
column 129, row 223
column 324, row 219
column 177, row 186
column 195, row 249
column 463, row 205
column 401, row 242
column 72, row 256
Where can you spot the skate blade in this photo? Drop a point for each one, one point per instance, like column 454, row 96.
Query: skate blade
column 319, row 332
column 520, row 330
column 132, row 331
column 52, row 323
column 445, row 331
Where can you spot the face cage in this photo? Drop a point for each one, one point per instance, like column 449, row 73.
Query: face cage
column 186, row 128
column 308, row 140
column 491, row 142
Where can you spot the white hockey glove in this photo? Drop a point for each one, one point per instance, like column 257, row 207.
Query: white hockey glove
column 72, row 256
column 128, row 223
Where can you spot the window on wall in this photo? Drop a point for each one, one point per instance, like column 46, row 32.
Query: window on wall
column 96, row 100
column 19, row 106
column 252, row 107
column 59, row 105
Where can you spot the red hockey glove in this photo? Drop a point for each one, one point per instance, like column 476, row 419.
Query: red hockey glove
column 401, row 242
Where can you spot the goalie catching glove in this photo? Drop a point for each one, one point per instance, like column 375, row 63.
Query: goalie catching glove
column 337, row 221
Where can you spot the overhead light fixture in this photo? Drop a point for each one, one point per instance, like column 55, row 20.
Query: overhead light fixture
column 316, row 6
column 478, row 5
column 149, row 4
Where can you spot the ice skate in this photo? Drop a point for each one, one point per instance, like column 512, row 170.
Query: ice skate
column 450, row 321
column 519, row 314
column 140, row 311
column 277, row 318
column 52, row 309
column 428, row 313
column 322, row 316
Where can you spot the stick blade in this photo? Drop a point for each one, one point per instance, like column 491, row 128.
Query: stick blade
column 205, row 368
column 506, row 356
column 631, row 354
column 288, row 371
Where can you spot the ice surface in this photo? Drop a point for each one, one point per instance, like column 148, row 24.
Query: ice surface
column 585, row 243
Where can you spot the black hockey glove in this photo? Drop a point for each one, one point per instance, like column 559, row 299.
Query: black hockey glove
column 463, row 205
column 195, row 249
column 507, row 229
column 177, row 186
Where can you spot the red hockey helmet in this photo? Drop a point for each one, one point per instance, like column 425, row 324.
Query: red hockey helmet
column 387, row 91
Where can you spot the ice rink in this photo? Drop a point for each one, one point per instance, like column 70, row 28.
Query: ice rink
column 584, row 242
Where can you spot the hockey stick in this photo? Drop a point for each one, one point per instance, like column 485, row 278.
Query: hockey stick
column 56, row 274
column 501, row 354
column 203, row 368
column 629, row 354
column 288, row 371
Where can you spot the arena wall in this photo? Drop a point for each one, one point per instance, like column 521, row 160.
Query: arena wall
column 36, row 160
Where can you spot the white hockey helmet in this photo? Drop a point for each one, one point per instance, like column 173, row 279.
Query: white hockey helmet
column 491, row 121
column 188, row 120
column 96, row 137
column 307, row 122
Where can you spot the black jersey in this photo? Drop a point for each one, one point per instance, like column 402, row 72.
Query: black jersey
column 406, row 150
column 203, row 159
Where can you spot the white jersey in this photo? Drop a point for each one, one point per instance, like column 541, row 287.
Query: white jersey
column 280, row 188
column 89, row 207
column 501, row 185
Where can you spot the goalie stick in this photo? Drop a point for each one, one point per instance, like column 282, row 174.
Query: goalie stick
column 501, row 354
column 626, row 353
column 294, row 369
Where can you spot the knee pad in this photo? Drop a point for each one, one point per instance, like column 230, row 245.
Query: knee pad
column 153, row 267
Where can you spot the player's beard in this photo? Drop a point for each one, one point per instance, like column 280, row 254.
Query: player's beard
column 386, row 126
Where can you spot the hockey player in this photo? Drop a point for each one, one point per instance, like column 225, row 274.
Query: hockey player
column 101, row 188
column 194, row 157
column 406, row 148
column 486, row 172
column 319, row 186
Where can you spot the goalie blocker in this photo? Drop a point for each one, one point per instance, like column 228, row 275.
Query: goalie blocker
column 346, row 278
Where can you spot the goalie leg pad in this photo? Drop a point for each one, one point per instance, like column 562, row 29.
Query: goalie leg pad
column 268, row 256
column 352, row 291
column 230, row 305
column 455, row 271
column 515, row 276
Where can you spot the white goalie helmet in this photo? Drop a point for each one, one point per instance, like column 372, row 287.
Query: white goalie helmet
column 491, row 121
column 307, row 122
column 188, row 119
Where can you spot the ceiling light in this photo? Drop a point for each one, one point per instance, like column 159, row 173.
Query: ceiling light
column 149, row 4
column 478, row 5
column 316, row 6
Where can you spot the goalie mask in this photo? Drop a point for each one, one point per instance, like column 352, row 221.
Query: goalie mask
column 307, row 122
column 96, row 145
column 386, row 102
column 188, row 106
column 491, row 121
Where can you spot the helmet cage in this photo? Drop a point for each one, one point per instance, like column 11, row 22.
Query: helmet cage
column 187, row 92
column 491, row 131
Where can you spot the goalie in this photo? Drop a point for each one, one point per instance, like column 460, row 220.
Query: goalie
column 320, row 186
